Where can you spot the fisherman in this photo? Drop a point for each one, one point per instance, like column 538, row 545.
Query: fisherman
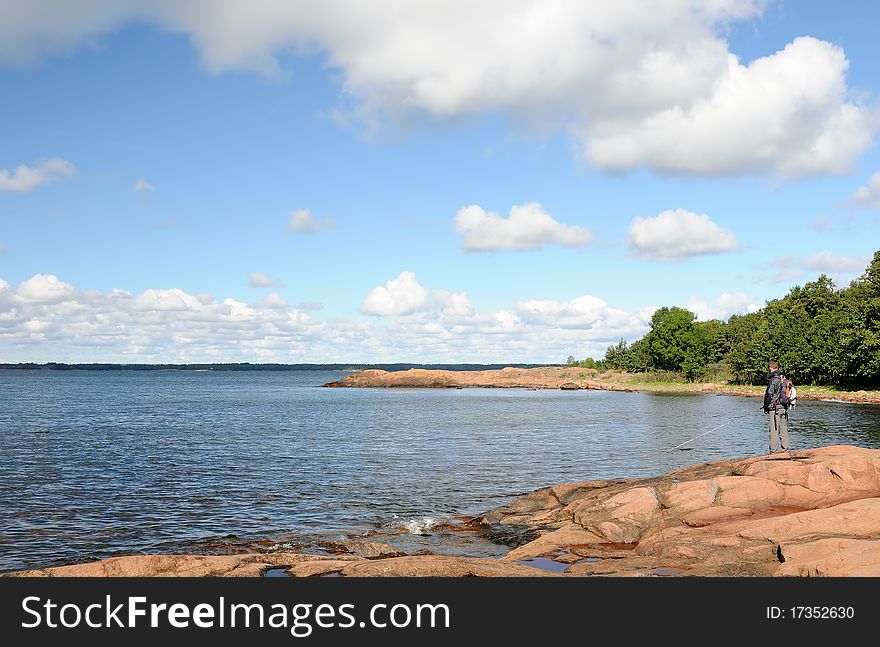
column 776, row 404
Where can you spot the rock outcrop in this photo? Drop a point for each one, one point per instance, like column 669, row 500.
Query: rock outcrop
column 814, row 512
column 292, row 564
column 551, row 377
column 568, row 378
column 811, row 512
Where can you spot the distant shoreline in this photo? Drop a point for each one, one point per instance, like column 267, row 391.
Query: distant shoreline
column 574, row 379
column 528, row 376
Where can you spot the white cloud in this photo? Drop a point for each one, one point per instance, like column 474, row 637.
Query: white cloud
column 46, row 319
column 44, row 288
column 453, row 304
column 725, row 305
column 399, row 296
column 785, row 114
column 639, row 85
column 260, row 280
column 577, row 313
column 142, row 185
column 675, row 235
column 274, row 300
column 527, row 227
column 303, row 222
column 310, row 305
column 838, row 266
column 404, row 295
column 831, row 263
column 23, row 178
column 175, row 300
column 869, row 195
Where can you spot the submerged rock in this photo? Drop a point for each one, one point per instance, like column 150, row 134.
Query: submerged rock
column 368, row 549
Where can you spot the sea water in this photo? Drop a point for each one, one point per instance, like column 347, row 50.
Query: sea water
column 99, row 463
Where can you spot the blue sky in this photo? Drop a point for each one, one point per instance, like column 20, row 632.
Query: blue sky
column 154, row 155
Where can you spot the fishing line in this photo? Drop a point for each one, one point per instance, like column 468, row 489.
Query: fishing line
column 706, row 433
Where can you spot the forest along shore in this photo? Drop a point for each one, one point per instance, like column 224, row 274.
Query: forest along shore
column 814, row 512
column 573, row 378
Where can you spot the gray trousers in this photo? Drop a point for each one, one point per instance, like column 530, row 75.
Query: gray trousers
column 779, row 429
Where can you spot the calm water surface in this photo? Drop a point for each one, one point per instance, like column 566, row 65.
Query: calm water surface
column 108, row 462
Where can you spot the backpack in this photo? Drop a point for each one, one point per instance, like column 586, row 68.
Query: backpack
column 785, row 391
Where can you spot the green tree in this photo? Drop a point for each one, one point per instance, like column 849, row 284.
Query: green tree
column 615, row 355
column 858, row 359
column 818, row 333
column 638, row 357
column 672, row 332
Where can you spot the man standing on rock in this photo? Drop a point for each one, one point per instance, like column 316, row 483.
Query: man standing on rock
column 778, row 412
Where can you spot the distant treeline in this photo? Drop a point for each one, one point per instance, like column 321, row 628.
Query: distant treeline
column 247, row 366
column 817, row 333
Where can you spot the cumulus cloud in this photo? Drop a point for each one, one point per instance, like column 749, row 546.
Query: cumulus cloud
column 838, row 266
column 585, row 312
column 785, row 114
column 676, row 235
column 24, row 178
column 443, row 323
column 399, row 296
column 302, row 221
column 453, row 304
column 664, row 92
column 274, row 300
column 527, row 227
column 260, row 280
column 142, row 185
column 44, row 288
column 869, row 195
column 47, row 319
column 451, row 328
column 726, row 305
column 173, row 300
column 829, row 262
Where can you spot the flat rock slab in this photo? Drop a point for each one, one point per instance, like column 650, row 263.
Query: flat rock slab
column 728, row 518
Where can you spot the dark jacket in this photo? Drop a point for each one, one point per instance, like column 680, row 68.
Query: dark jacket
column 771, row 395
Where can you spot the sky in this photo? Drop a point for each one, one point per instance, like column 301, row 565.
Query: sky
column 442, row 181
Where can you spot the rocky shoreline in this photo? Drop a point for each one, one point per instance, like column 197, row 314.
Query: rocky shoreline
column 814, row 512
column 566, row 379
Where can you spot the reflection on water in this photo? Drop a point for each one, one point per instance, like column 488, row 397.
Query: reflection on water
column 100, row 463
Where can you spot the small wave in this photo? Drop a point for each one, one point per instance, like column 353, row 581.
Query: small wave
column 417, row 525
column 283, row 547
